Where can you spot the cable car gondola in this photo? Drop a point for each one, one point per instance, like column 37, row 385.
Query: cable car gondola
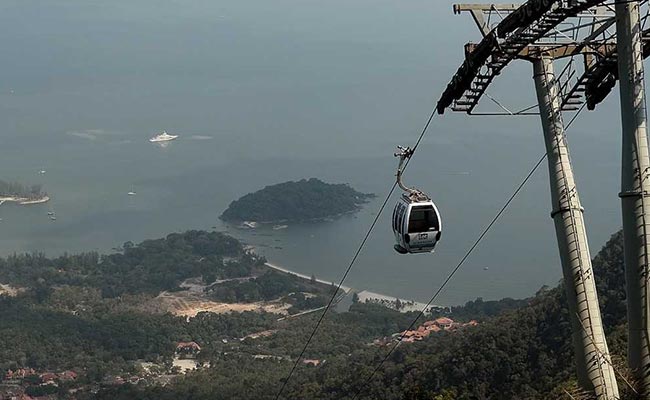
column 416, row 219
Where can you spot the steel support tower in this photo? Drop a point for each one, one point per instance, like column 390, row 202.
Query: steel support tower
column 635, row 189
column 542, row 31
column 595, row 371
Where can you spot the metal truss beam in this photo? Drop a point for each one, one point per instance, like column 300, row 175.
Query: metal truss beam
column 519, row 29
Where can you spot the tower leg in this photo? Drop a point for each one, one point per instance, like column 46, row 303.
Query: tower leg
column 634, row 189
column 595, row 371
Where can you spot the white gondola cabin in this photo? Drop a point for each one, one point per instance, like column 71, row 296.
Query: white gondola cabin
column 416, row 224
column 416, row 221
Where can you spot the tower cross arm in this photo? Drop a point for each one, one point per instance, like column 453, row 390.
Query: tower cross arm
column 478, row 12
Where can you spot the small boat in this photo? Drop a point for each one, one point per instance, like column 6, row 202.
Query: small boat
column 132, row 191
column 278, row 227
column 42, row 172
column 163, row 137
column 50, row 213
column 53, row 217
column 249, row 224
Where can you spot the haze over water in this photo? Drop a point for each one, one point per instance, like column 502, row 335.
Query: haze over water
column 264, row 92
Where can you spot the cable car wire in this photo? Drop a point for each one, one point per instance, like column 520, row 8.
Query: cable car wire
column 463, row 259
column 352, row 261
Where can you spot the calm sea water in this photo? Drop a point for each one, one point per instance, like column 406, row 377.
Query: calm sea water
column 263, row 92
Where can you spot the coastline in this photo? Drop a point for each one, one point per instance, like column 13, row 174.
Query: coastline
column 243, row 224
column 406, row 305
column 346, row 289
column 24, row 201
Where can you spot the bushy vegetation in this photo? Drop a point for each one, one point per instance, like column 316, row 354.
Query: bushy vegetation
column 303, row 200
column 520, row 350
column 149, row 267
column 522, row 353
column 271, row 286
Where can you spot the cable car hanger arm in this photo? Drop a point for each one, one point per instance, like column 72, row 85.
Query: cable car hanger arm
column 404, row 155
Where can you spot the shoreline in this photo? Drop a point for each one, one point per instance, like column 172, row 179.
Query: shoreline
column 407, row 305
column 366, row 296
column 244, row 224
column 24, row 201
column 346, row 289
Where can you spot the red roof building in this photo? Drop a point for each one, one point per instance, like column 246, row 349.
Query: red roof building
column 48, row 377
column 68, row 375
column 188, row 347
column 444, row 322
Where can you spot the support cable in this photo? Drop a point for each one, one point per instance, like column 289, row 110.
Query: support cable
column 463, row 259
column 353, row 260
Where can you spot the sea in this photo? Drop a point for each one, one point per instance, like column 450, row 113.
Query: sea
column 261, row 92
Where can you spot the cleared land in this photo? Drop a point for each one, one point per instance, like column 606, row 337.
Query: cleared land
column 194, row 300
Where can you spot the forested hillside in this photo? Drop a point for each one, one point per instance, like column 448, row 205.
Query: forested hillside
column 66, row 319
column 149, row 267
column 524, row 353
column 295, row 201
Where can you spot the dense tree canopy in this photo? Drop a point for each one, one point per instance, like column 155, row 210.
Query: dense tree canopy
column 521, row 349
column 149, row 267
column 295, row 201
column 19, row 190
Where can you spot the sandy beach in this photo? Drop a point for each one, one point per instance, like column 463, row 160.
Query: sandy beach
column 389, row 301
column 365, row 295
column 24, row 201
column 346, row 289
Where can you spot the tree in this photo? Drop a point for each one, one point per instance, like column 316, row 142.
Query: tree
column 355, row 298
column 209, row 277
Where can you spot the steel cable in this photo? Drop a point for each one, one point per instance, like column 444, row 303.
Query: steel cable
column 462, row 261
column 352, row 261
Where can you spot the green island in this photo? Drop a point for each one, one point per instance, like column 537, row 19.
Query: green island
column 90, row 326
column 299, row 201
column 22, row 194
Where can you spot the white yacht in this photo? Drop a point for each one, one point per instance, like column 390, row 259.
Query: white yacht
column 163, row 137
column 132, row 192
column 249, row 224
